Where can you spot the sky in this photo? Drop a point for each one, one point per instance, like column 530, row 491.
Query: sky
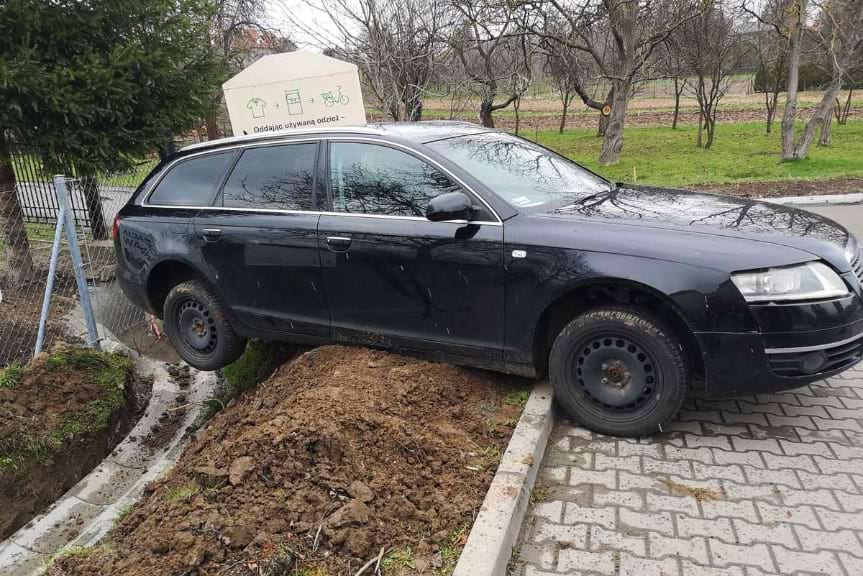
column 294, row 16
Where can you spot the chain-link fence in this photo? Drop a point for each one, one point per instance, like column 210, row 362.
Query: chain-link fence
column 27, row 231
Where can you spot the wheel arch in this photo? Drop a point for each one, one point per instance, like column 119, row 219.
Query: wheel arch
column 165, row 275
column 609, row 291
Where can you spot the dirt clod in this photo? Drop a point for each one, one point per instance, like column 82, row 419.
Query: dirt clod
column 240, row 470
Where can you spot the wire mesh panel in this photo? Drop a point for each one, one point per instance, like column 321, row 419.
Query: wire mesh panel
column 26, row 237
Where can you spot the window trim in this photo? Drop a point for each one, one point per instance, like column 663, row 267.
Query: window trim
column 323, row 139
column 221, row 193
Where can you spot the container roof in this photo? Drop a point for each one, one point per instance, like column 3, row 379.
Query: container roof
column 288, row 66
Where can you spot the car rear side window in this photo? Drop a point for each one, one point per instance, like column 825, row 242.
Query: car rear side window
column 374, row 179
column 275, row 177
column 192, row 182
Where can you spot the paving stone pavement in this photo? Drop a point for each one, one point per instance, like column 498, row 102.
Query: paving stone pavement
column 755, row 486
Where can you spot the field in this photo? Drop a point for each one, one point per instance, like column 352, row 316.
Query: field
column 742, row 152
column 744, row 159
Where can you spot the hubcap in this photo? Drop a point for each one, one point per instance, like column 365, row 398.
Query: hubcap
column 196, row 326
column 615, row 373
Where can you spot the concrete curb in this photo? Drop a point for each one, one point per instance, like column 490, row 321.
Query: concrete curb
column 496, row 527
column 84, row 514
column 853, row 198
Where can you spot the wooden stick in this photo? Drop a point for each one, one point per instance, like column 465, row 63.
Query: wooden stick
column 370, row 563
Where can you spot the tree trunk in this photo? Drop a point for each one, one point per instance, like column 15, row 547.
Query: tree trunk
column 710, row 126
column 212, row 121
column 842, row 112
column 90, row 190
column 612, row 142
column 699, row 142
column 826, row 131
column 566, row 101
column 17, row 244
column 770, row 101
column 515, row 105
column 677, row 92
column 795, row 39
column 485, row 113
column 817, row 120
column 414, row 106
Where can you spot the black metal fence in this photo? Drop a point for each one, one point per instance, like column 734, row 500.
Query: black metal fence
column 36, row 194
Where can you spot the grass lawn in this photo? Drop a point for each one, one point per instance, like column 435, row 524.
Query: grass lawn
column 741, row 152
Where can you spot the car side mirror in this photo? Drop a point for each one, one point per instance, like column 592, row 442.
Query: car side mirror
column 450, row 206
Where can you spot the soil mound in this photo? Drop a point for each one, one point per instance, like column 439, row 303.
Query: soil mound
column 342, row 452
column 60, row 415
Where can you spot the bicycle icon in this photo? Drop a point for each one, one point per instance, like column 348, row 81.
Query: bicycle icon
column 330, row 100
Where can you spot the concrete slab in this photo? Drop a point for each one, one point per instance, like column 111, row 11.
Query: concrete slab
column 62, row 523
column 14, row 559
column 490, row 543
column 105, row 484
column 854, row 198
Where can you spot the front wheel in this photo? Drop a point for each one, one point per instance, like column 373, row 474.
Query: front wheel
column 619, row 371
column 196, row 325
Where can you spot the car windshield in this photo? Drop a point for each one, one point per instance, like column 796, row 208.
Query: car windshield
column 522, row 173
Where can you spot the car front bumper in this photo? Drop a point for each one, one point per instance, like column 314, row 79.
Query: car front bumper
column 796, row 344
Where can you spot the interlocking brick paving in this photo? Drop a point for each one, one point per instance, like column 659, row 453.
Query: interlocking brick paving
column 755, row 486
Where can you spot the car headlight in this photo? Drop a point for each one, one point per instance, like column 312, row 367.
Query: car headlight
column 810, row 281
column 851, row 249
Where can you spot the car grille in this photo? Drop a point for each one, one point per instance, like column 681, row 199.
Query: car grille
column 857, row 267
column 838, row 357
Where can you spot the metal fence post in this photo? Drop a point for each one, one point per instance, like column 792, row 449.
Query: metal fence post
column 49, row 282
column 77, row 263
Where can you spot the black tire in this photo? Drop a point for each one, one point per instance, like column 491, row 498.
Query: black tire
column 198, row 328
column 636, row 379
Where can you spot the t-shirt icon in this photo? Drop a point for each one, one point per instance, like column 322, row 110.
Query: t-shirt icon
column 256, row 106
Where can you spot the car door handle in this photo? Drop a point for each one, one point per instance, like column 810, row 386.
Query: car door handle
column 338, row 243
column 211, row 234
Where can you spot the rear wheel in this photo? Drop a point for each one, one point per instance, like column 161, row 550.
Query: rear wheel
column 619, row 371
column 196, row 324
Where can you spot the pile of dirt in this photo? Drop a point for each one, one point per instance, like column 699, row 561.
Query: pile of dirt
column 60, row 415
column 341, row 453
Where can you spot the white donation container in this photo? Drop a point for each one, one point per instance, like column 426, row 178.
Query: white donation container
column 294, row 90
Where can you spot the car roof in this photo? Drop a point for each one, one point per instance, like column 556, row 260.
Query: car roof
column 419, row 132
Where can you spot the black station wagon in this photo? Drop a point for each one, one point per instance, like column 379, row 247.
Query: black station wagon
column 463, row 244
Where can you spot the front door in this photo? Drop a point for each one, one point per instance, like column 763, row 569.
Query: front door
column 395, row 279
column 260, row 240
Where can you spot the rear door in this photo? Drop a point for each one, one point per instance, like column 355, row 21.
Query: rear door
column 395, row 278
column 259, row 239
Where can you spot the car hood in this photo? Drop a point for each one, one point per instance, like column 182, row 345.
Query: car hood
column 697, row 212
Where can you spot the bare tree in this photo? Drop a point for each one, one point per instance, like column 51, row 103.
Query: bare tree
column 229, row 24
column 564, row 69
column 839, row 31
column 772, row 51
column 843, row 111
column 395, row 43
column 670, row 63
column 486, row 40
column 621, row 37
column 711, row 49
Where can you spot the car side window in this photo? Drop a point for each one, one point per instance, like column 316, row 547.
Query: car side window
column 375, row 179
column 276, row 177
column 192, row 182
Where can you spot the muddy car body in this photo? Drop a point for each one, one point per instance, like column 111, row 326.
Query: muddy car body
column 462, row 244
